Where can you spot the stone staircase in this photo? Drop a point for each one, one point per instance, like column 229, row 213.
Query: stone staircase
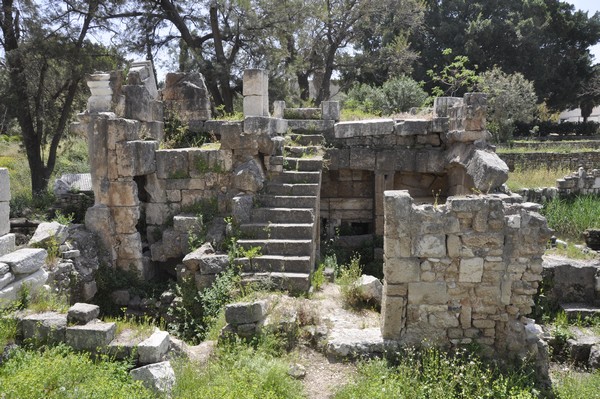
column 285, row 224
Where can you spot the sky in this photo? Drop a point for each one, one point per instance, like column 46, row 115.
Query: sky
column 592, row 6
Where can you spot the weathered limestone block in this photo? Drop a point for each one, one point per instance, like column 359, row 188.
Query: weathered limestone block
column 434, row 293
column 125, row 218
column 241, row 208
column 370, row 288
column 154, row 349
column 98, row 220
column 441, row 105
column 302, row 113
column 136, row 158
column 278, row 109
column 256, row 82
column 401, row 270
column 470, row 270
column 430, row 245
column 91, row 336
column 475, row 111
column 6, row 277
column 123, row 193
column 25, row 261
column 160, row 377
column 4, row 218
column 487, row 170
column 330, row 110
column 413, row 127
column 465, row 136
column 34, row 282
column 101, row 93
column 45, row 328
column 141, row 73
column 4, row 185
column 186, row 95
column 172, row 164
column 362, row 159
column 47, row 231
column 245, row 312
column 120, row 130
column 249, row 176
column 129, row 246
column 7, row 244
column 187, row 223
column 256, row 105
column 82, row 313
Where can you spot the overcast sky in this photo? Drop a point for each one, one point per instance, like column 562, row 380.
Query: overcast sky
column 592, row 6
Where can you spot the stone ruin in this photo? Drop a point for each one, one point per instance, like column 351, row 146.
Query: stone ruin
column 456, row 273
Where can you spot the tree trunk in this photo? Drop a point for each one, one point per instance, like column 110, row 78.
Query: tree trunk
column 304, row 85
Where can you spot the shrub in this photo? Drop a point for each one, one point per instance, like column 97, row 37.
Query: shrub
column 544, row 128
column 348, row 275
column 394, row 96
column 511, row 98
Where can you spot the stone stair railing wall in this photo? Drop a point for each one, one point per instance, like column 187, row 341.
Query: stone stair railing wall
column 18, row 267
column 464, row 272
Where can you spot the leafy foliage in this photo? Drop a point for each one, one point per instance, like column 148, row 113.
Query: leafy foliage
column 511, row 98
column 394, row 96
column 454, row 77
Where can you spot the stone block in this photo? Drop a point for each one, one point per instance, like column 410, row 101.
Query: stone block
column 430, row 293
column 278, row 109
column 186, row 223
column 120, row 130
column 362, row 159
column 25, row 261
column 213, row 264
column 330, row 110
column 4, row 185
column 204, row 281
column 7, row 244
column 159, row 377
column 470, row 270
column 255, row 82
column 377, row 127
column 393, row 316
column 5, row 278
column 401, row 270
column 125, row 218
column 91, row 336
column 245, row 312
column 123, row 193
column 47, row 231
column 255, row 106
column 413, row 127
column 4, row 218
column 155, row 188
column 172, row 164
column 429, row 245
column 129, row 246
column 44, row 328
column 346, row 130
column 34, row 282
column 158, row 214
column 136, row 158
column 154, row 349
column 441, row 105
column 82, row 313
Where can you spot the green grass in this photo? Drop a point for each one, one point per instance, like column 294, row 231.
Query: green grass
column 553, row 149
column 237, row 372
column 522, row 178
column 572, row 252
column 434, row 374
column 61, row 373
column 573, row 385
column 570, row 217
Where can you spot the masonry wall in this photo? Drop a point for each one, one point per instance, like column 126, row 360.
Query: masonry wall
column 460, row 273
column 588, row 160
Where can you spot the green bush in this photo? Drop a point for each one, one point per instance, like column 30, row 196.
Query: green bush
column 394, row 96
column 61, row 373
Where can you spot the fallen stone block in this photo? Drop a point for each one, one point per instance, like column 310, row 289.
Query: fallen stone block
column 46, row 231
column 5, row 278
column 153, row 349
column 245, row 312
column 25, row 261
column 7, row 244
column 82, row 313
column 91, row 336
column 45, row 328
column 33, row 282
column 370, row 288
column 159, row 377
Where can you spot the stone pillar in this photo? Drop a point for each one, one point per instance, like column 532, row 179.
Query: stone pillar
column 383, row 181
column 101, row 98
column 256, row 92
column 330, row 110
column 278, row 109
column 4, row 201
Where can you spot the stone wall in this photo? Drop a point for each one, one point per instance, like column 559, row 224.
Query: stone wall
column 460, row 273
column 588, row 160
column 581, row 182
column 442, row 155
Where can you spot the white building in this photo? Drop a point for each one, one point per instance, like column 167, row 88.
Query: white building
column 574, row 115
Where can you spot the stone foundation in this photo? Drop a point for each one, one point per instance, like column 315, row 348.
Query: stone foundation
column 463, row 272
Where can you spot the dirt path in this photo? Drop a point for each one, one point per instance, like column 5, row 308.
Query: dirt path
column 323, row 377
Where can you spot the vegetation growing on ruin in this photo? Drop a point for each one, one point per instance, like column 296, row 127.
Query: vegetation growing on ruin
column 571, row 217
column 541, row 176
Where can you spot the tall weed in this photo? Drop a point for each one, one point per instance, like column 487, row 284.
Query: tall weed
column 570, row 217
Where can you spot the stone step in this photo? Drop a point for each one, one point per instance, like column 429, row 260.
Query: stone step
column 25, row 260
column 300, row 189
column 287, row 201
column 304, row 164
column 279, row 247
column 307, row 139
column 276, row 263
column 294, row 283
column 301, row 177
column 310, row 126
column 283, row 215
column 278, row 230
column 305, row 150
column 576, row 311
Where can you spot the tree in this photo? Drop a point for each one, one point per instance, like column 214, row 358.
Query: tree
column 46, row 58
column 511, row 98
column 545, row 40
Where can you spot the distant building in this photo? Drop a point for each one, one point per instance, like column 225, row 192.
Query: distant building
column 574, row 115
